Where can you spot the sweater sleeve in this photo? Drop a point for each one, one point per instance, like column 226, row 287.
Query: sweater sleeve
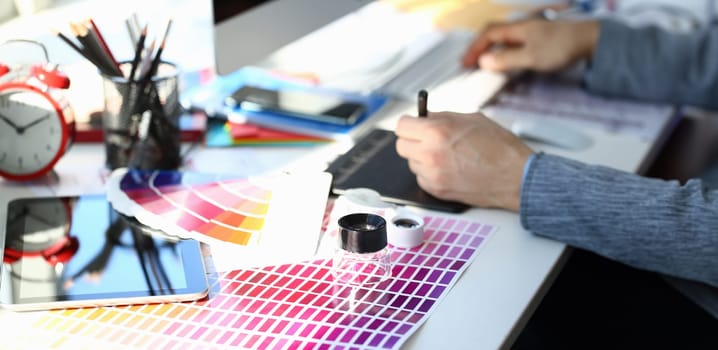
column 651, row 224
column 649, row 63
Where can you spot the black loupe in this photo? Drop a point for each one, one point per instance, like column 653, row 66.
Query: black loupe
column 362, row 233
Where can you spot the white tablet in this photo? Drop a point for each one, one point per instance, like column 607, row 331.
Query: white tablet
column 66, row 252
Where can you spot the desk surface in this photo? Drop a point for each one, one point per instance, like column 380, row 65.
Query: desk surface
column 496, row 294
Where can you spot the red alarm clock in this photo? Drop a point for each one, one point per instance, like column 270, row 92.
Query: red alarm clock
column 36, row 122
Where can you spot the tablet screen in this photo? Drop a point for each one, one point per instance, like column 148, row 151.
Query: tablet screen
column 77, row 251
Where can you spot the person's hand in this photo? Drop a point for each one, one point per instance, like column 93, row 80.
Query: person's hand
column 464, row 157
column 538, row 45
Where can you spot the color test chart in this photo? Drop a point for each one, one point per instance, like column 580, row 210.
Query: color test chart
column 255, row 218
column 288, row 306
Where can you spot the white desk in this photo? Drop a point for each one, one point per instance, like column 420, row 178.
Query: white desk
column 497, row 293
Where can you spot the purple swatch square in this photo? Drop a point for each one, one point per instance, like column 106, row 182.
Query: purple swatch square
column 457, row 265
column 397, row 285
column 444, row 263
column 398, row 301
column 446, row 279
column 476, row 241
column 455, row 252
column 388, row 327
column 348, row 335
column 485, row 230
column 466, row 255
column 441, row 250
column 363, row 337
column 418, row 260
column 439, row 236
column 426, row 305
column 412, row 304
column 335, row 333
column 407, row 272
column 393, row 340
column 423, row 290
column 431, row 262
column 376, row 340
column 411, row 287
column 436, row 293
column 363, row 320
column 434, row 276
column 398, row 257
column 461, row 226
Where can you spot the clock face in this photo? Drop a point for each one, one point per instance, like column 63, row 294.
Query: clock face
column 37, row 224
column 33, row 134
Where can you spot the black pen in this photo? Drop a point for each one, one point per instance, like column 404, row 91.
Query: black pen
column 421, row 101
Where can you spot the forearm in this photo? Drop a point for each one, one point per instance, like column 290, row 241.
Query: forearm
column 647, row 223
column 652, row 64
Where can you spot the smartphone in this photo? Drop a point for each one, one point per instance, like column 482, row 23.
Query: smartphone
column 67, row 252
column 312, row 105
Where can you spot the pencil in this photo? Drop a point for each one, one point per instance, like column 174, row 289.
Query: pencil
column 158, row 55
column 71, row 43
column 103, row 44
column 83, row 45
column 153, row 66
column 421, row 102
column 82, row 33
column 135, row 20
column 138, row 53
column 145, row 61
column 131, row 32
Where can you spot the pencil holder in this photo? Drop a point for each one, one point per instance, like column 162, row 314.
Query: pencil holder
column 140, row 119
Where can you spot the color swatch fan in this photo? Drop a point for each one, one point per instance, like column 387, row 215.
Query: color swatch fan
column 247, row 222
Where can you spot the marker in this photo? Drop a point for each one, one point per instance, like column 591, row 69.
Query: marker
column 421, row 101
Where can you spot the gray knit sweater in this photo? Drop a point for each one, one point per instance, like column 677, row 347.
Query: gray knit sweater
column 657, row 225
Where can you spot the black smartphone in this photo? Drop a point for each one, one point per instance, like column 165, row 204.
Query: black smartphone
column 300, row 103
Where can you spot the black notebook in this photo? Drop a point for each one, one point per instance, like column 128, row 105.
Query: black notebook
column 373, row 163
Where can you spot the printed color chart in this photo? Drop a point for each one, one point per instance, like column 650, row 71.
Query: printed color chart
column 289, row 306
column 256, row 221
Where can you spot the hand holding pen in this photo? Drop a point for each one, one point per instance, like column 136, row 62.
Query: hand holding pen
column 462, row 157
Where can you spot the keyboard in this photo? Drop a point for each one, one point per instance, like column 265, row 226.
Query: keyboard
column 451, row 86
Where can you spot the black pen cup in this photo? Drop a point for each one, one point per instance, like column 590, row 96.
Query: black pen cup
column 140, row 120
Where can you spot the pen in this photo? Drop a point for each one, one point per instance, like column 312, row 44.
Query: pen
column 421, row 101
